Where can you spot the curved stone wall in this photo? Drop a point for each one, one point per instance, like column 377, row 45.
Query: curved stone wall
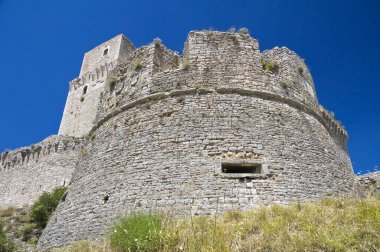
column 214, row 60
column 165, row 152
column 201, row 134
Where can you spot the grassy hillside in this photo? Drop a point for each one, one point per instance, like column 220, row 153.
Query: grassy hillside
column 16, row 231
column 20, row 227
column 329, row 225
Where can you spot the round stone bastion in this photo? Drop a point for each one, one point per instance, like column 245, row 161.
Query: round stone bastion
column 216, row 129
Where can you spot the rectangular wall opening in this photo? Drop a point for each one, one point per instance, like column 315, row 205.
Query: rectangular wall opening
column 241, row 168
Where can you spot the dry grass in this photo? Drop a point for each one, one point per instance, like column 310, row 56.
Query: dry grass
column 329, row 225
column 84, row 246
column 7, row 212
column 270, row 66
column 185, row 64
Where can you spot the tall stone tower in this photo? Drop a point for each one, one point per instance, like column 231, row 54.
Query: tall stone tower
column 85, row 91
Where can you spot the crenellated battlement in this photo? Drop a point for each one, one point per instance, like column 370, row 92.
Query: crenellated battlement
column 134, row 77
column 97, row 75
column 85, row 91
column 212, row 60
column 51, row 145
column 293, row 73
column 27, row 172
column 335, row 127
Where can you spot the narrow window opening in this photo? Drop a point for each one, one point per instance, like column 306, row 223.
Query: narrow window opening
column 85, row 90
column 105, row 52
column 241, row 168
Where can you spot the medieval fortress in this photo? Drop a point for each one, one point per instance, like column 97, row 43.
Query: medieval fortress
column 224, row 126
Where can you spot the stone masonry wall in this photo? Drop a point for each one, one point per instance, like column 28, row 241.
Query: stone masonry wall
column 112, row 50
column 132, row 79
column 85, row 91
column 370, row 183
column 164, row 154
column 27, row 172
column 216, row 60
column 164, row 130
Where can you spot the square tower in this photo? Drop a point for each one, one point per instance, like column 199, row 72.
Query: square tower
column 85, row 91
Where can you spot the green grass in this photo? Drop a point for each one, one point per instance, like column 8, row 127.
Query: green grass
column 329, row 225
column 139, row 232
column 5, row 244
column 23, row 225
column 270, row 66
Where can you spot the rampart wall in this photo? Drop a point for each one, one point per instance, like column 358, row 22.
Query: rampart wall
column 167, row 131
column 370, row 183
column 215, row 60
column 27, row 172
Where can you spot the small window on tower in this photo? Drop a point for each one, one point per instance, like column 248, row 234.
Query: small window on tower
column 105, row 52
column 84, row 90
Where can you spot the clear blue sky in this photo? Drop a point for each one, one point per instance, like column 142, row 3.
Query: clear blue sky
column 42, row 44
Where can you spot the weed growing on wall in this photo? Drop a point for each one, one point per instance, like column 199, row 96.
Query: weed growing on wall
column 138, row 65
column 270, row 66
column 45, row 206
column 185, row 64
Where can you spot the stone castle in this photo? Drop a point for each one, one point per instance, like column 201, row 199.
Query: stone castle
column 224, row 126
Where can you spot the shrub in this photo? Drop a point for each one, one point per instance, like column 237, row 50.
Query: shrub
column 138, row 232
column 232, row 29
column 185, row 64
column 270, row 66
column 83, row 152
column 5, row 244
column 157, row 42
column 27, row 231
column 138, row 65
column 111, row 81
column 197, row 85
column 300, row 70
column 45, row 206
column 284, row 85
column 244, row 30
column 234, row 39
